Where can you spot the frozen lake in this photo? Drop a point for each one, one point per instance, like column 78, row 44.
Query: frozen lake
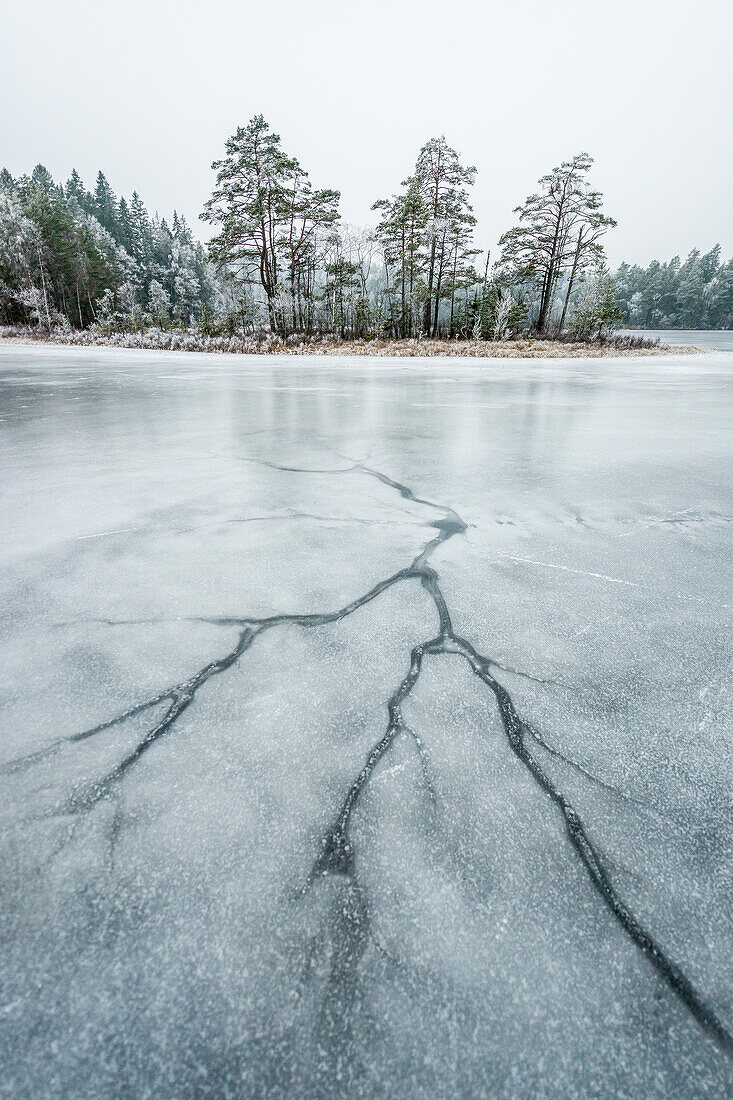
column 366, row 728
column 709, row 339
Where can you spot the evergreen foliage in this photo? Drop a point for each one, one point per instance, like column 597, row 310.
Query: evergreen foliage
column 274, row 228
column 558, row 238
column 282, row 263
column 426, row 234
column 695, row 294
column 72, row 257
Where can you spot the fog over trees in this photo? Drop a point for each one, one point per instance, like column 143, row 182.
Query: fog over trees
column 281, row 260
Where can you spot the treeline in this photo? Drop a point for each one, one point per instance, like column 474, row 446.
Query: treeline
column 281, row 261
column 695, row 294
column 74, row 258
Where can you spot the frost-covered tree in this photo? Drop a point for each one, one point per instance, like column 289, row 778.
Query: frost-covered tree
column 444, row 184
column 559, row 232
column 695, row 294
column 105, row 204
column 402, row 234
column 23, row 293
column 65, row 249
column 268, row 215
column 281, row 257
column 425, row 231
column 159, row 304
column 598, row 310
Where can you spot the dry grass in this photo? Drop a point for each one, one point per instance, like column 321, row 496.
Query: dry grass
column 177, row 340
column 488, row 349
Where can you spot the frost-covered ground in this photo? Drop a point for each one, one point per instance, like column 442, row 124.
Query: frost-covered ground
column 365, row 728
column 155, row 339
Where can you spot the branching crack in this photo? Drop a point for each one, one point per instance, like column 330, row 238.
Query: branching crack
column 351, row 933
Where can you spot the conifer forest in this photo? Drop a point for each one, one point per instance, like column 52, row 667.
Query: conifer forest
column 281, row 261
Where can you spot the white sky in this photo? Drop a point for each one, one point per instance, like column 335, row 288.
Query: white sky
column 149, row 92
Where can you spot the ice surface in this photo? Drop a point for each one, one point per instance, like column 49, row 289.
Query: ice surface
column 399, row 808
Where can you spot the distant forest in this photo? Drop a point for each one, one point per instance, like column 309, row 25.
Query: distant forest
column 695, row 294
column 281, row 260
column 74, row 257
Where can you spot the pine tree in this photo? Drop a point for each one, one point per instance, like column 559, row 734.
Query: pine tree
column 425, row 232
column 402, row 233
column 266, row 212
column 559, row 231
column 443, row 183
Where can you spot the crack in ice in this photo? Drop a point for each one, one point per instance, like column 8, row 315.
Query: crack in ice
column 337, row 857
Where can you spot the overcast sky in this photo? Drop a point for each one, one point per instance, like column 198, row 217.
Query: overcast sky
column 150, row 91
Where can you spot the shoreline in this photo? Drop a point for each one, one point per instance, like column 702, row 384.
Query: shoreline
column 427, row 348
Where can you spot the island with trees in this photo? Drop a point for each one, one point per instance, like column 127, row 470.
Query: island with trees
column 282, row 272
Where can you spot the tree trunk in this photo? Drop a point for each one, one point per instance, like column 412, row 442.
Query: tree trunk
column 551, row 273
column 45, row 294
column 429, row 300
column 572, row 280
column 431, row 271
column 272, row 314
